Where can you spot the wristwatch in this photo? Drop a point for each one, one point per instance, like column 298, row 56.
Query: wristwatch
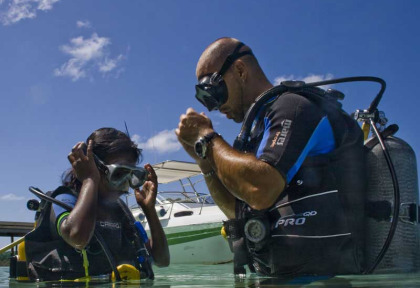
column 200, row 146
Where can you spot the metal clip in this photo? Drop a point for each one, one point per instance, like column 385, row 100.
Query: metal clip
column 365, row 115
column 409, row 213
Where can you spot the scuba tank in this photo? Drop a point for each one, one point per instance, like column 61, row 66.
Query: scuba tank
column 403, row 254
column 389, row 247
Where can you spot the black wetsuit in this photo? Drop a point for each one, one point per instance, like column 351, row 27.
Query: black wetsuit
column 316, row 223
column 49, row 257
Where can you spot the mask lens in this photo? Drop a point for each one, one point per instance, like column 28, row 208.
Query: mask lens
column 203, row 94
column 119, row 174
column 138, row 177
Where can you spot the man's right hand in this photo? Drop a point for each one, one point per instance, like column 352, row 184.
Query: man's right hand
column 204, row 164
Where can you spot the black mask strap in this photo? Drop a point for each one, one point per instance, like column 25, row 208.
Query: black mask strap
column 232, row 57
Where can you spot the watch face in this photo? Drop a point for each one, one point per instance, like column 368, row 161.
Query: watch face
column 200, row 149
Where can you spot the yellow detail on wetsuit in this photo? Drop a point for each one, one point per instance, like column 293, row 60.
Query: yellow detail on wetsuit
column 21, row 258
column 365, row 129
column 60, row 220
column 223, row 232
column 21, row 251
column 127, row 272
column 85, row 263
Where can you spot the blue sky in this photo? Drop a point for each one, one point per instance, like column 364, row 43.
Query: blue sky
column 70, row 67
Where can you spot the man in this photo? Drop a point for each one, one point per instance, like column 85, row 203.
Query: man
column 293, row 192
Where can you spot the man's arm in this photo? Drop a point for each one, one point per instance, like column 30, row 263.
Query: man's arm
column 247, row 178
column 223, row 198
column 241, row 175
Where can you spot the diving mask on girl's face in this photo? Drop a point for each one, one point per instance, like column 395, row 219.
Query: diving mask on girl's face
column 120, row 175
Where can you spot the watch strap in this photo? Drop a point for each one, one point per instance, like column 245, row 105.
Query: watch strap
column 210, row 136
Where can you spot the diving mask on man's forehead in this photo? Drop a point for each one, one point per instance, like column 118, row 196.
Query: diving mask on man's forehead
column 211, row 90
column 120, row 175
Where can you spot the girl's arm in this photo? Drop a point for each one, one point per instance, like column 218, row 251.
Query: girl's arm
column 77, row 229
column 146, row 198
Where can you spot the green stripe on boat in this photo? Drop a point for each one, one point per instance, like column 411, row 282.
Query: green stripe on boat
column 188, row 236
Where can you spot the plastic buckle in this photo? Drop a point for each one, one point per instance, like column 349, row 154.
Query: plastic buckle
column 366, row 115
column 409, row 213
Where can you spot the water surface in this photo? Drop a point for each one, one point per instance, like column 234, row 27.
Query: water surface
column 222, row 276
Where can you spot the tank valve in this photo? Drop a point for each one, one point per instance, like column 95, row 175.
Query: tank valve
column 33, row 205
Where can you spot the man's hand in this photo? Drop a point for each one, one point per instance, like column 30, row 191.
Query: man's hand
column 192, row 126
column 83, row 164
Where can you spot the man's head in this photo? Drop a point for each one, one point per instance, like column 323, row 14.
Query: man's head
column 230, row 78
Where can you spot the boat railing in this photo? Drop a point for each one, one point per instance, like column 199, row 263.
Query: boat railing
column 188, row 200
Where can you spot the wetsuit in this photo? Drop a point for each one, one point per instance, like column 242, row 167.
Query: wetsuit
column 51, row 258
column 315, row 226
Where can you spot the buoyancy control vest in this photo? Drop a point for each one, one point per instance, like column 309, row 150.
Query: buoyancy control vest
column 316, row 225
column 391, row 197
column 49, row 257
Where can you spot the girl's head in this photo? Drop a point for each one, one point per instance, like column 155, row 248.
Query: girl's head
column 109, row 143
column 112, row 147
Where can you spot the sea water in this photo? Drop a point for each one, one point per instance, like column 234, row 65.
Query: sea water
column 222, row 276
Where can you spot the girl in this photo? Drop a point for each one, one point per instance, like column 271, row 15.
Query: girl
column 98, row 236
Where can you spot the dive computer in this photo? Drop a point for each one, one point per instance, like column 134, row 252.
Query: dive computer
column 200, row 146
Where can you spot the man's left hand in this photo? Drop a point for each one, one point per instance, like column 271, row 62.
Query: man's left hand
column 192, row 126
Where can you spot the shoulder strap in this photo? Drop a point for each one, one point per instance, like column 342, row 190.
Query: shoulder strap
column 143, row 256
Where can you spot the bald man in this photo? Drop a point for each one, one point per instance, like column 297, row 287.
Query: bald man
column 290, row 214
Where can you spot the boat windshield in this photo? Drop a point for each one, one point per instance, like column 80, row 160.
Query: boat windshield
column 183, row 197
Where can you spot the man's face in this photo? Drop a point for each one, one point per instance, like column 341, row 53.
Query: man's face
column 233, row 108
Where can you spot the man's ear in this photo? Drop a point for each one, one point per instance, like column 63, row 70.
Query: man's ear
column 241, row 70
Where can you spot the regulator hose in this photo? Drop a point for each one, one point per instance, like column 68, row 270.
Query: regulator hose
column 396, row 212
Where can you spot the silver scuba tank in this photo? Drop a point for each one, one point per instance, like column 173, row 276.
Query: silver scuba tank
column 403, row 255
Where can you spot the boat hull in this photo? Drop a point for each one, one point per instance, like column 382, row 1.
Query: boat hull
column 193, row 237
column 198, row 244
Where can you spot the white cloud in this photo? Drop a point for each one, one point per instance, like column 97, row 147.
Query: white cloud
column 11, row 197
column 45, row 5
column 163, row 142
column 308, row 79
column 87, row 55
column 83, row 24
column 23, row 9
column 110, row 64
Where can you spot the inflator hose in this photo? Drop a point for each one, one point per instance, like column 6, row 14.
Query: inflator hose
column 250, row 115
column 97, row 236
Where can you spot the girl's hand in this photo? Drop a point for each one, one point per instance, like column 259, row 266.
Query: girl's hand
column 83, row 164
column 146, row 197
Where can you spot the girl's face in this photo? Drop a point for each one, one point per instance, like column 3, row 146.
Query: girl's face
column 107, row 191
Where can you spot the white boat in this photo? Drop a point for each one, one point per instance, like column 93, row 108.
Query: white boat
column 191, row 221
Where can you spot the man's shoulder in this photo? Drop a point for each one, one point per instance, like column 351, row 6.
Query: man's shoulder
column 290, row 101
